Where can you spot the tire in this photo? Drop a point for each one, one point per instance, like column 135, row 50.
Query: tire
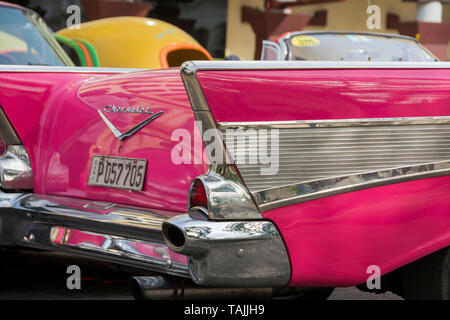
column 428, row 278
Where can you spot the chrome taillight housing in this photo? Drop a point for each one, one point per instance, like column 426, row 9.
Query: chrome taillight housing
column 222, row 196
column 15, row 169
column 15, row 166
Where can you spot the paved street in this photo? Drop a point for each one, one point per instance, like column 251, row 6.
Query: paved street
column 32, row 275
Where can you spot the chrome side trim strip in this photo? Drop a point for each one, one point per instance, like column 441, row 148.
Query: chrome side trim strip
column 58, row 69
column 296, row 193
column 300, row 65
column 338, row 123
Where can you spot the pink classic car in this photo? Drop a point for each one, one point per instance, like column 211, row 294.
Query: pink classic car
column 266, row 179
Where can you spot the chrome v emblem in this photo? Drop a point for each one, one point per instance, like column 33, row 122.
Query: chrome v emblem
column 121, row 136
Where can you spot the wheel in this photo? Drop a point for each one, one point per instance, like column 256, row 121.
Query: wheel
column 428, row 278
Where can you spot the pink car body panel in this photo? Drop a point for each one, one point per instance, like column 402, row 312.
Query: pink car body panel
column 28, row 101
column 58, row 123
column 281, row 95
column 332, row 241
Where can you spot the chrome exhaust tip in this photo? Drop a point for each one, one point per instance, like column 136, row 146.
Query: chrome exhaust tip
column 174, row 237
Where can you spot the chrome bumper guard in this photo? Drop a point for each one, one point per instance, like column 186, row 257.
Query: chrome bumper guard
column 229, row 253
column 219, row 254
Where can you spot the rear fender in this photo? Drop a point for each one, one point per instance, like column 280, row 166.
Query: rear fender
column 363, row 155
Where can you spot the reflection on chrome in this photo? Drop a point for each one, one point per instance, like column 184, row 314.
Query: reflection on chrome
column 109, row 215
column 154, row 253
column 109, row 232
column 227, row 197
column 229, row 253
column 15, row 169
column 230, row 230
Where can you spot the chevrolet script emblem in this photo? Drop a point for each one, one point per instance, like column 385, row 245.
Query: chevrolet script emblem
column 121, row 136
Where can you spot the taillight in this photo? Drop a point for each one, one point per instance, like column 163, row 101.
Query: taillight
column 197, row 195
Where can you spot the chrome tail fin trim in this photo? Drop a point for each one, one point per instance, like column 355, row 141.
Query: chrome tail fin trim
column 219, row 172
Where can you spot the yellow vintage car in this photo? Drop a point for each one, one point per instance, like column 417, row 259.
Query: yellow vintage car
column 132, row 42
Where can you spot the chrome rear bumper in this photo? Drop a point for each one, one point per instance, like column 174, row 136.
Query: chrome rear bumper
column 212, row 253
column 104, row 231
column 229, row 253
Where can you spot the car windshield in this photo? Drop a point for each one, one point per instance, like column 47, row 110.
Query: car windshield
column 25, row 39
column 355, row 47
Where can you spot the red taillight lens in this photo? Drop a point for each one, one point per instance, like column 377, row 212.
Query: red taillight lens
column 197, row 195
